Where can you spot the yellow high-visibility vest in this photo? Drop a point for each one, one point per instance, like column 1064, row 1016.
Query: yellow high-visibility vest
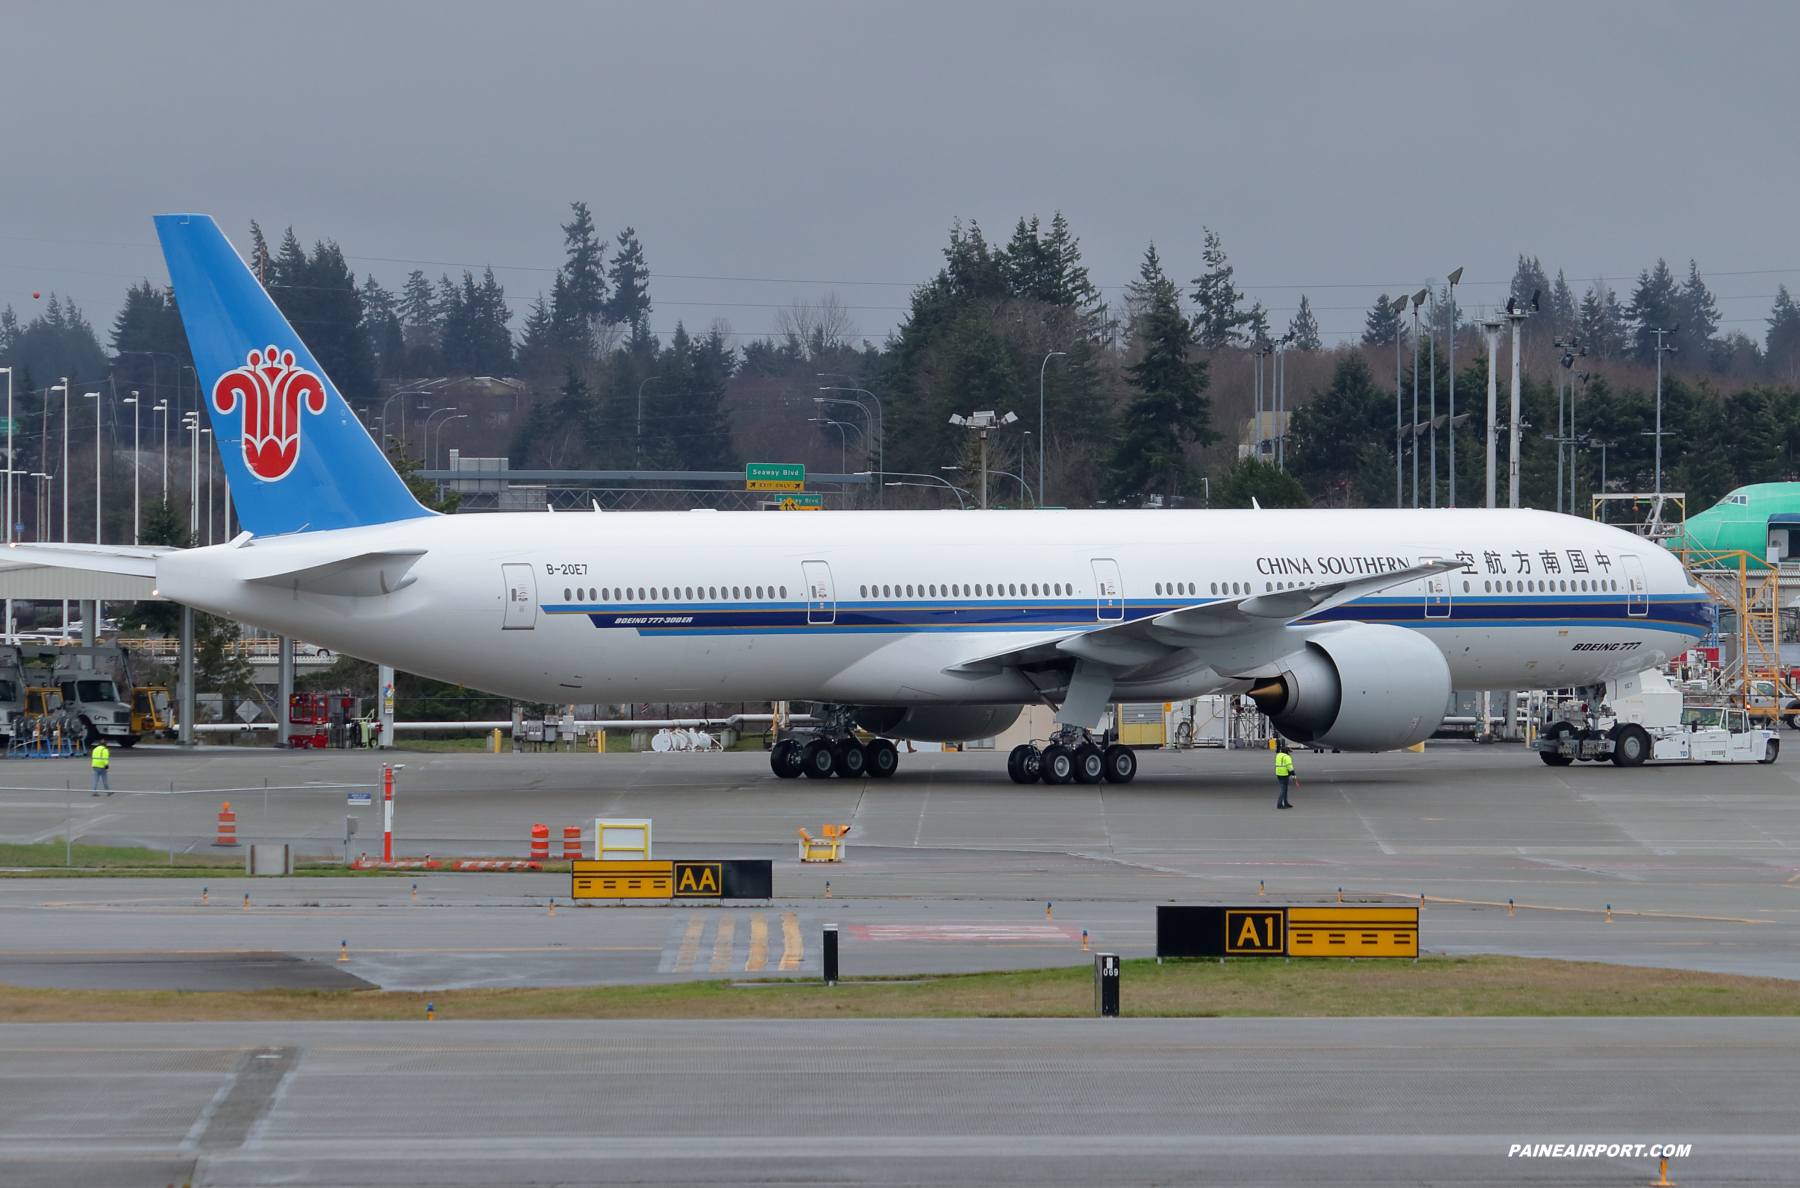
column 102, row 756
column 1284, row 764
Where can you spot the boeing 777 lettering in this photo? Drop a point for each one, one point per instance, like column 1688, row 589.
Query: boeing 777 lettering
column 1349, row 628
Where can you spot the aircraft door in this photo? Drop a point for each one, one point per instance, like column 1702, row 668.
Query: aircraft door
column 521, row 598
column 1109, row 591
column 821, row 597
column 1437, row 596
column 1637, row 590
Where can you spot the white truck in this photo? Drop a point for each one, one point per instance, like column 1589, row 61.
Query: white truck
column 1644, row 718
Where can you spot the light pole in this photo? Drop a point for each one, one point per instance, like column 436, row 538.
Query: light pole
column 206, row 448
column 1455, row 277
column 426, row 451
column 981, row 423
column 191, row 422
column 1418, row 299
column 98, row 419
column 162, row 406
column 640, row 417
column 9, row 460
column 954, row 489
column 881, row 413
column 1399, row 417
column 1583, row 377
column 64, row 388
column 1492, row 330
column 1517, row 317
column 440, row 436
column 1662, row 348
column 843, row 441
column 1024, row 487
column 136, row 441
column 1043, row 430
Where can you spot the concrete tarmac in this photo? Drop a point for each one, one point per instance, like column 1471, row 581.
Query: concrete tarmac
column 950, row 864
column 1204, row 1101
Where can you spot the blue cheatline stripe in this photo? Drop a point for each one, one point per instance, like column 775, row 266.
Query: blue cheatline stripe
column 1688, row 616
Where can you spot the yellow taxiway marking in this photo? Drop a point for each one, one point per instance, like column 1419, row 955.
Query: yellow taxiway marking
column 690, row 944
column 793, row 949
column 721, row 954
column 759, row 943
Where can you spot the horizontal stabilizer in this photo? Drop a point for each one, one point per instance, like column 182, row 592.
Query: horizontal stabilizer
column 78, row 571
column 366, row 575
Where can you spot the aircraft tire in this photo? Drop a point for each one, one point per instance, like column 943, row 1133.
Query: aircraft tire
column 1559, row 731
column 1024, row 765
column 1058, row 765
column 817, row 762
column 784, row 759
column 1090, row 764
column 1631, row 746
column 883, row 759
column 851, row 761
column 1121, row 764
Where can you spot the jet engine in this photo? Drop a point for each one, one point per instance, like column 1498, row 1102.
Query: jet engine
column 1368, row 687
column 937, row 723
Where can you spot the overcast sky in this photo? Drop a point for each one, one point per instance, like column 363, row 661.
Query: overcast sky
column 768, row 152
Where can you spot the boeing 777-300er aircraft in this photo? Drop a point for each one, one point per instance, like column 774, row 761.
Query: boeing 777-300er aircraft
column 1348, row 628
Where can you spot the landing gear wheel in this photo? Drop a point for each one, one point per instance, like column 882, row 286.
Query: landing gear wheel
column 817, row 761
column 882, row 759
column 1058, row 765
column 1090, row 764
column 784, row 759
column 1631, row 746
column 1770, row 755
column 1121, row 764
column 1025, row 764
column 1560, row 731
column 851, row 760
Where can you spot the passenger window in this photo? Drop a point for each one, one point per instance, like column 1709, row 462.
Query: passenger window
column 1465, row 587
column 566, row 596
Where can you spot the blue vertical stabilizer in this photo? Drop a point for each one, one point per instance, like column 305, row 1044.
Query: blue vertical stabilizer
column 297, row 457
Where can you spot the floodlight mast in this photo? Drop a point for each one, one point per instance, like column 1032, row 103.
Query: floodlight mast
column 1455, row 279
column 1418, row 299
column 1492, row 330
column 1517, row 317
column 981, row 422
column 1399, row 308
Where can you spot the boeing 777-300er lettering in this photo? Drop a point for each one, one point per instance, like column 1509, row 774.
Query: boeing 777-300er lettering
column 1348, row 628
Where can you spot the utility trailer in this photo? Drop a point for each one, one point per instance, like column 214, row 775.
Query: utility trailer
column 1644, row 719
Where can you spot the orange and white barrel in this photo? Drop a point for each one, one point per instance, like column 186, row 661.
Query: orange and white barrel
column 227, row 826
column 571, row 841
column 540, row 842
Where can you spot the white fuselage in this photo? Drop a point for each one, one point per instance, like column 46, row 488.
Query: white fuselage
column 877, row 607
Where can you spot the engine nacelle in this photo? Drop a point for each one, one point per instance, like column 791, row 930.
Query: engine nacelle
column 938, row 723
column 1368, row 687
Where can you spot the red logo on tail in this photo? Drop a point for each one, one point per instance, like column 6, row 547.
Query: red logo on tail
column 272, row 390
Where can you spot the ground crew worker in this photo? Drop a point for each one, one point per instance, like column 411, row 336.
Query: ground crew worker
column 1284, row 771
column 102, row 755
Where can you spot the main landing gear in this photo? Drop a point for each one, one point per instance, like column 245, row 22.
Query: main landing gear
column 1071, row 757
column 834, row 752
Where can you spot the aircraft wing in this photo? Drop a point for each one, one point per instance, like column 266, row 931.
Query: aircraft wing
column 1129, row 644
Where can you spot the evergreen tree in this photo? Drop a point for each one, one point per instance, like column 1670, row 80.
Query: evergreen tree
column 418, row 310
column 58, row 342
column 1332, row 434
column 1047, row 268
column 629, row 304
column 1170, row 408
column 1655, row 303
column 476, row 340
column 381, row 322
column 320, row 298
column 1303, row 329
column 1699, row 313
column 1383, row 323
column 1564, row 317
column 260, row 259
column 686, row 417
column 578, row 302
column 149, row 340
column 1529, row 280
column 1256, row 326
column 1601, row 321
column 1784, row 337
column 1267, row 484
column 1218, row 322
